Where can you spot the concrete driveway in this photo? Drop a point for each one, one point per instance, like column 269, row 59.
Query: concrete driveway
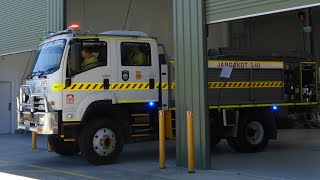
column 295, row 156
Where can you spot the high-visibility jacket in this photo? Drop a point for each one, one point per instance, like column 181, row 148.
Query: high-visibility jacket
column 138, row 59
column 89, row 63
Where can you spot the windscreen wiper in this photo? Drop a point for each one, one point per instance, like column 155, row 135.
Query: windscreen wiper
column 47, row 71
column 32, row 74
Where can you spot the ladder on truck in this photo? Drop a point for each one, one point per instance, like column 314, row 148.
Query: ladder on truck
column 142, row 128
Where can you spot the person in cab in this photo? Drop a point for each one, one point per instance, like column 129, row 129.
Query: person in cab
column 90, row 60
column 137, row 57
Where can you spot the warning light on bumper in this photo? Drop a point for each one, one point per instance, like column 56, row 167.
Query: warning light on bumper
column 275, row 108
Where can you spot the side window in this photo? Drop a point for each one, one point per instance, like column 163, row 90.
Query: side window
column 135, row 54
column 93, row 54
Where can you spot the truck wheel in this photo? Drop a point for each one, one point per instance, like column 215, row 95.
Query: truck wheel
column 101, row 142
column 251, row 137
column 63, row 148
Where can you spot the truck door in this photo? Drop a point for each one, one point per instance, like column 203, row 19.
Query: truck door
column 138, row 72
column 82, row 80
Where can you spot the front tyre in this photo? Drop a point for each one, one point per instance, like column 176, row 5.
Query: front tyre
column 251, row 138
column 101, row 142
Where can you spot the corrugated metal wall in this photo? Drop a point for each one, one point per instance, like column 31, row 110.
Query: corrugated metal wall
column 23, row 22
column 223, row 10
column 55, row 15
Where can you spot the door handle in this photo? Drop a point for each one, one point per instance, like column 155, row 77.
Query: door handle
column 151, row 83
column 106, row 84
column 68, row 82
column 9, row 107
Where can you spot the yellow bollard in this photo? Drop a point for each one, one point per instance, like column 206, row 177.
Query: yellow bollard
column 190, row 142
column 34, row 140
column 162, row 138
column 169, row 130
column 49, row 146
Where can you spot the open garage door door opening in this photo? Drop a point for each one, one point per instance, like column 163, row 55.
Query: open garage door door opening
column 266, row 76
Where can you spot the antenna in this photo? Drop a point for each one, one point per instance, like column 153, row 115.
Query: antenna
column 128, row 11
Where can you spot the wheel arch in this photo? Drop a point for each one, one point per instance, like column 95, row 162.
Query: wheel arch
column 94, row 97
column 115, row 112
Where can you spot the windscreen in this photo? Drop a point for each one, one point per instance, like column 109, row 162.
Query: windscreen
column 48, row 56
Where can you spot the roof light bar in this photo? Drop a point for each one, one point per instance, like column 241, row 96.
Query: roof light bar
column 74, row 26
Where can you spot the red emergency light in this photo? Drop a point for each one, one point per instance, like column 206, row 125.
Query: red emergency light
column 74, row 26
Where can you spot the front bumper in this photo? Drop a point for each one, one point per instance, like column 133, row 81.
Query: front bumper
column 39, row 122
column 31, row 118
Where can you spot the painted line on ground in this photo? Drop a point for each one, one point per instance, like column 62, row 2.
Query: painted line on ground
column 51, row 170
column 26, row 171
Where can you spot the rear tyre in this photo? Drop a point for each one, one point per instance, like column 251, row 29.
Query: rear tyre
column 251, row 138
column 101, row 142
column 63, row 148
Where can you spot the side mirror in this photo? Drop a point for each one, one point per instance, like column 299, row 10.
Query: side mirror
column 68, row 82
column 76, row 48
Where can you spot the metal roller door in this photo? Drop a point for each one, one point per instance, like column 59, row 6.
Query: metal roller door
column 226, row 10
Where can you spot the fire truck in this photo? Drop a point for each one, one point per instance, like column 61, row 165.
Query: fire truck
column 96, row 108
